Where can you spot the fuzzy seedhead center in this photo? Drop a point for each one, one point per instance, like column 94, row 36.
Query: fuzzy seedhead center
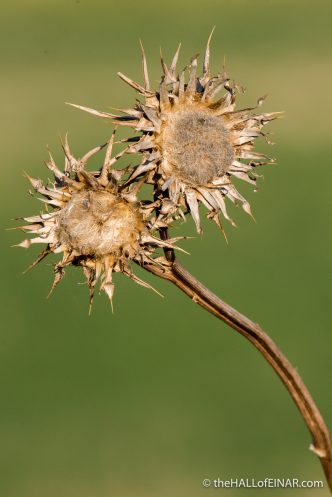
column 196, row 144
column 99, row 223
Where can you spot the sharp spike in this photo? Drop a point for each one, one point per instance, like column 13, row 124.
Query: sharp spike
column 107, row 115
column 32, row 228
column 51, row 165
column 36, row 219
column 36, row 183
column 219, row 197
column 141, row 169
column 152, row 240
column 206, row 63
column 58, row 275
column 134, row 85
column 243, row 176
column 91, row 153
column 143, row 144
column 216, row 219
column 145, row 68
column 134, row 113
column 138, row 280
column 175, row 61
column 55, row 202
column 40, row 257
column 91, row 281
column 25, row 244
column 117, row 157
column 109, row 289
column 167, row 75
column 107, row 285
column 135, row 189
column 71, row 161
column 193, row 207
column 103, row 179
column 246, row 207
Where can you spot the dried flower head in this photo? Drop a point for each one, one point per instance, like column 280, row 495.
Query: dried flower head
column 96, row 222
column 192, row 143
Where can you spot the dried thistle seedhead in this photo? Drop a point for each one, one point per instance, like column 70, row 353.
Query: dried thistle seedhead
column 191, row 142
column 96, row 222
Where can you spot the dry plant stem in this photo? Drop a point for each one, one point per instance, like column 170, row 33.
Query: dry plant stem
column 178, row 275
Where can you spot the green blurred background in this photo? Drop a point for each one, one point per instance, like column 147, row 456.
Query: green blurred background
column 151, row 400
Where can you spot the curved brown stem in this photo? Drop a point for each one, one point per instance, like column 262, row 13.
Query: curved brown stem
column 179, row 276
